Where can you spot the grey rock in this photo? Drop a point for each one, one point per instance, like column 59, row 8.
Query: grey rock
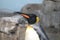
column 48, row 6
column 29, row 8
column 57, row 4
column 5, row 14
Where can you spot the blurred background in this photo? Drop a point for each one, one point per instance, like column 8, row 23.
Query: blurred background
column 16, row 5
column 47, row 10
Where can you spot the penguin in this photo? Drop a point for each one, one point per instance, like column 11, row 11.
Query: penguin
column 31, row 34
column 34, row 26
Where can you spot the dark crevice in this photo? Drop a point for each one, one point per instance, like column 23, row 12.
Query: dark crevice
column 54, row 10
column 52, row 26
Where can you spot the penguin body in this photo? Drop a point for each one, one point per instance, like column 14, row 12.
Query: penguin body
column 31, row 34
column 40, row 31
column 36, row 28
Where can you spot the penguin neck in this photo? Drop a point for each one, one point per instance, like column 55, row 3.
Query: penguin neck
column 36, row 24
column 29, row 27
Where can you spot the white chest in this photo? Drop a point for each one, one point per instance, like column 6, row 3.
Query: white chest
column 31, row 34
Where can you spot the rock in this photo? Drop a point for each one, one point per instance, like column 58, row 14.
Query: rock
column 57, row 4
column 29, row 8
column 53, row 18
column 48, row 6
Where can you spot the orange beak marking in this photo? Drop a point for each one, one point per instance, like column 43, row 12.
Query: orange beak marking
column 26, row 16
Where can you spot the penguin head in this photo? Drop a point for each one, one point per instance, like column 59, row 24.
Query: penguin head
column 31, row 18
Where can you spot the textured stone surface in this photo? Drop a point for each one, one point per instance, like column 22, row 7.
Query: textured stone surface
column 51, row 10
column 57, row 4
column 5, row 14
column 19, row 34
column 29, row 8
column 48, row 6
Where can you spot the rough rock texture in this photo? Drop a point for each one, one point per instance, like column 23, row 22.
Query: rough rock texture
column 30, row 8
column 48, row 6
column 52, row 9
column 19, row 34
column 5, row 14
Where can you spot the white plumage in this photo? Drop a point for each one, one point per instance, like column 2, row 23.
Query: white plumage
column 31, row 34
